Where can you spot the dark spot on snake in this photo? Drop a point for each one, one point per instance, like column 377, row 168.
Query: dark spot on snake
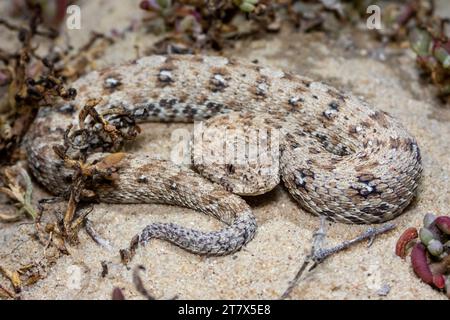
column 334, row 105
column 343, row 150
column 301, row 175
column 294, row 101
column 287, row 76
column 373, row 211
column 230, row 168
column 394, row 142
column 216, row 107
column 380, row 117
column 315, row 97
column 322, row 137
column 306, row 83
column 71, row 93
column 218, row 82
column 327, row 213
column 112, row 82
column 261, row 89
column 365, row 190
column 336, row 94
column 141, row 112
column 231, row 62
column 366, row 177
column 59, row 165
column 67, row 108
column 365, row 124
column 299, row 180
column 142, row 179
column 329, row 114
column 353, row 129
column 418, row 154
column 355, row 219
column 165, row 76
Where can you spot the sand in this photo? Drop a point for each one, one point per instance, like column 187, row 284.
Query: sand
column 263, row 269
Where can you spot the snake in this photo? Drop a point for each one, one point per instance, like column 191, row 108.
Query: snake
column 336, row 155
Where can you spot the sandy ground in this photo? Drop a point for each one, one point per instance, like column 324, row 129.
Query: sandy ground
column 265, row 266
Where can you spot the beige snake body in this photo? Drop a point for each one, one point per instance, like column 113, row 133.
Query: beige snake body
column 337, row 156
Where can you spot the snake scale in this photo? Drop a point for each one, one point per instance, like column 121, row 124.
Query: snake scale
column 337, row 156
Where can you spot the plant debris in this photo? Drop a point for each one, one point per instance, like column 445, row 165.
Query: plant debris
column 18, row 108
column 117, row 293
column 433, row 56
column 30, row 80
column 24, row 276
column 18, row 187
column 191, row 25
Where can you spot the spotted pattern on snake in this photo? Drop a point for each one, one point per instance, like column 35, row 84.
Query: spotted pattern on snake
column 337, row 156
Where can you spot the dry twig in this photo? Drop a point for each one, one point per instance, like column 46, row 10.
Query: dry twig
column 318, row 254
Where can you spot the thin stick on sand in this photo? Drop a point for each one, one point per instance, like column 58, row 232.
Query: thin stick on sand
column 319, row 254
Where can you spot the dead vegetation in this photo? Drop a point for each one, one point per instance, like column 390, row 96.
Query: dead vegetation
column 28, row 81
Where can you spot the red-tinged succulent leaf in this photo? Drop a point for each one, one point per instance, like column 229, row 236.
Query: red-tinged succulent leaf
column 420, row 42
column 439, row 281
column 420, row 263
column 446, row 46
column 407, row 236
column 443, row 223
column 117, row 294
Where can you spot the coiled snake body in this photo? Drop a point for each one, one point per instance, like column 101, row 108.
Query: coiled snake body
column 337, row 156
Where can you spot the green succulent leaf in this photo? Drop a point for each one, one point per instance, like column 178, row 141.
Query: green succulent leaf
column 420, row 42
column 247, row 7
column 443, row 56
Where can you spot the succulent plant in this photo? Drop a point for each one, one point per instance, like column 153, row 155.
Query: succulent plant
column 435, row 247
column 430, row 256
column 428, row 219
column 246, row 5
column 433, row 56
column 426, row 236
